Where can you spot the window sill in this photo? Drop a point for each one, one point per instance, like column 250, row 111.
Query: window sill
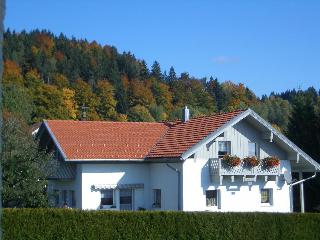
column 266, row 205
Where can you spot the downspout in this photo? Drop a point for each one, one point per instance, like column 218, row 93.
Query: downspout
column 301, row 195
column 179, row 184
column 303, row 180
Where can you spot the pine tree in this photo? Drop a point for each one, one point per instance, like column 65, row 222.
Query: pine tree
column 24, row 168
column 156, row 71
column 172, row 75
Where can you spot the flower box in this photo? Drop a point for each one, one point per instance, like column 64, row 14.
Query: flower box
column 251, row 161
column 231, row 161
column 271, row 162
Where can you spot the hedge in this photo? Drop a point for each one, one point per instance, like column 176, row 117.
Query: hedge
column 75, row 224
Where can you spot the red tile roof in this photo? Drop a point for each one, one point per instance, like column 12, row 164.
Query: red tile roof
column 106, row 140
column 133, row 140
column 180, row 137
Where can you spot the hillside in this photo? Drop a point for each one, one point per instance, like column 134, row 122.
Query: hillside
column 53, row 77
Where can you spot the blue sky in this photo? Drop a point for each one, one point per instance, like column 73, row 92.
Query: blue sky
column 267, row 45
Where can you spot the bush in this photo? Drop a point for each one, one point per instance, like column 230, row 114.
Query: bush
column 50, row 224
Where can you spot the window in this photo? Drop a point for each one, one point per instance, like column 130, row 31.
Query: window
column 73, row 198
column 157, row 198
column 126, row 199
column 56, row 197
column 266, row 195
column 107, row 197
column 252, row 149
column 65, row 196
column 224, row 148
column 211, row 198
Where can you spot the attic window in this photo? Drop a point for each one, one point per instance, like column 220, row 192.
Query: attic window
column 252, row 149
column 224, row 148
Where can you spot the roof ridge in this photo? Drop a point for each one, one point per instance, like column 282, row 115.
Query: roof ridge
column 220, row 113
column 102, row 121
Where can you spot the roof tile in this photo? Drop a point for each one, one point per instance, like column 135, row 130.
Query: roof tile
column 85, row 140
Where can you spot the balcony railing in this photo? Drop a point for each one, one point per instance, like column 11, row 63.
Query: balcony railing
column 219, row 167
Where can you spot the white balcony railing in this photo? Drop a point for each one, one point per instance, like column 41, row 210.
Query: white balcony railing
column 218, row 167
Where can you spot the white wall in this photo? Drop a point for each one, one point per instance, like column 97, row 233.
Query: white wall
column 166, row 179
column 114, row 174
column 236, row 196
column 152, row 175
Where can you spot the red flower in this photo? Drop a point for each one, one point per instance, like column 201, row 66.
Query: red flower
column 232, row 161
column 251, row 161
column 271, row 161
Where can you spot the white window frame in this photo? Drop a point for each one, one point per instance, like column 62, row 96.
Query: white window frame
column 270, row 197
column 228, row 147
column 113, row 198
column 217, row 198
column 256, row 154
column 157, row 198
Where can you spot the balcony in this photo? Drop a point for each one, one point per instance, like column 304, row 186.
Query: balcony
column 217, row 167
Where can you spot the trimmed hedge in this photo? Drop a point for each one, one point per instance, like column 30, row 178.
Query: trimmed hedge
column 74, row 224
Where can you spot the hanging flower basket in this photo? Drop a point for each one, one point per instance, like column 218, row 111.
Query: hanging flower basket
column 271, row 161
column 231, row 161
column 251, row 161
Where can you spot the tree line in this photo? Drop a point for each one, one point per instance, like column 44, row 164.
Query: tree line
column 55, row 77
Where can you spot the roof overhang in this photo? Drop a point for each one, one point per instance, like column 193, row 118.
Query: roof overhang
column 309, row 164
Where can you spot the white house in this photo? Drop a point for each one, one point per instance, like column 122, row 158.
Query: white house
column 174, row 166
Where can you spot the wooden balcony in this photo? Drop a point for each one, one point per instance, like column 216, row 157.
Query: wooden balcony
column 217, row 167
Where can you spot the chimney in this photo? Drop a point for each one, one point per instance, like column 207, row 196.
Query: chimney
column 185, row 114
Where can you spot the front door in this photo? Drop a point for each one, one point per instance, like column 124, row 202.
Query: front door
column 126, row 199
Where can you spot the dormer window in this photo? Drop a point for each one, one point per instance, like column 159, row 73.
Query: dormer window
column 224, row 148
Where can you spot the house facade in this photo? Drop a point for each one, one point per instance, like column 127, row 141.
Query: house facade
column 174, row 166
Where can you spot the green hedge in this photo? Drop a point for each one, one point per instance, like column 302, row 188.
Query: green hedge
column 72, row 224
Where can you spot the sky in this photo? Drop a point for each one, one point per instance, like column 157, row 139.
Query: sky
column 269, row 45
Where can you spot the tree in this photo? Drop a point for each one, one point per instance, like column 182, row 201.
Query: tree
column 161, row 94
column 32, row 80
column 60, row 80
column 85, row 97
column 69, row 102
column 172, row 75
column 24, row 168
column 140, row 113
column 16, row 99
column 140, row 94
column 156, row 71
column 275, row 110
column 144, row 71
column 158, row 113
column 121, row 98
column 215, row 90
column 12, row 73
column 49, row 104
column 303, row 124
column 107, row 104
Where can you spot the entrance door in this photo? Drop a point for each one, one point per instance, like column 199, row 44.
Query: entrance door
column 126, row 199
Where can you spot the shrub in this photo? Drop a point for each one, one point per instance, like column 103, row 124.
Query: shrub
column 68, row 224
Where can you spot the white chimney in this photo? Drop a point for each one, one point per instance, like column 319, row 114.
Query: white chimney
column 185, row 114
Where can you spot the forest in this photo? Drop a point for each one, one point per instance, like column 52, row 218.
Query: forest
column 55, row 77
